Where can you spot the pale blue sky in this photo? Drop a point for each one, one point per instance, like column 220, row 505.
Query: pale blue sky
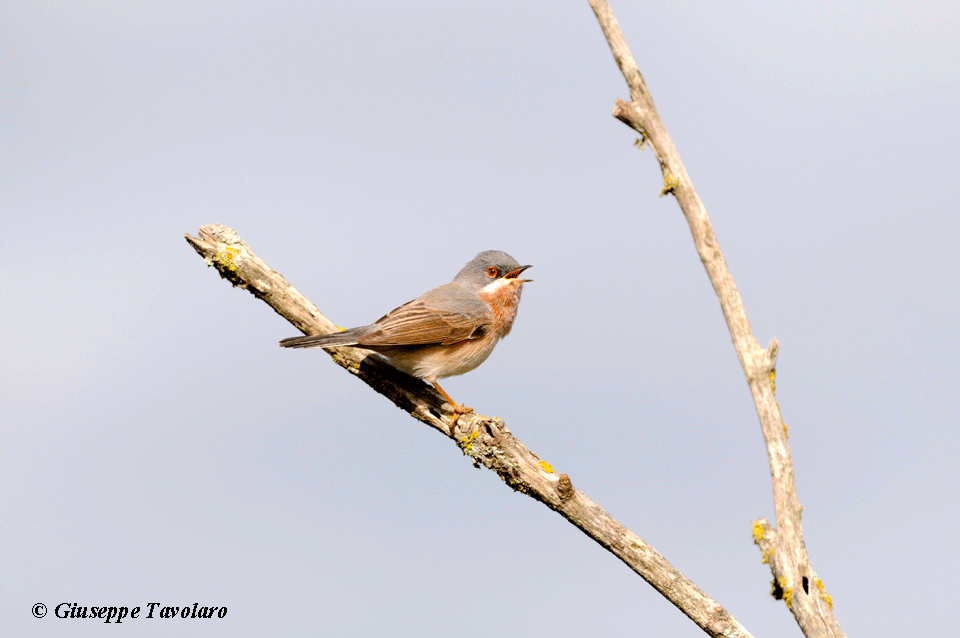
column 157, row 445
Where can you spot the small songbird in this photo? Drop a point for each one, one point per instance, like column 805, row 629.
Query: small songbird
column 447, row 331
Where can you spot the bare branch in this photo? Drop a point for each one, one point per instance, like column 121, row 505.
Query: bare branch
column 783, row 548
column 486, row 440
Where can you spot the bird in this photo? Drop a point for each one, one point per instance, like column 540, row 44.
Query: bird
column 444, row 332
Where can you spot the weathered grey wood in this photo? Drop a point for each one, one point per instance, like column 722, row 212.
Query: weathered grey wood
column 486, row 440
column 795, row 581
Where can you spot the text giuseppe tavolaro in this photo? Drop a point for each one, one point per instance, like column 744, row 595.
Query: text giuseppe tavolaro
column 153, row 610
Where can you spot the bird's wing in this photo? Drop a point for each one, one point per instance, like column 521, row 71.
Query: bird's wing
column 443, row 316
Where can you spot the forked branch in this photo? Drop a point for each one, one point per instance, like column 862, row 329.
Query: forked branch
column 795, row 581
column 486, row 440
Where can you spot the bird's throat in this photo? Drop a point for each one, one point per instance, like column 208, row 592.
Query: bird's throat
column 503, row 296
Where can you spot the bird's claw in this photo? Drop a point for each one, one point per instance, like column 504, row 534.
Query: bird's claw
column 458, row 410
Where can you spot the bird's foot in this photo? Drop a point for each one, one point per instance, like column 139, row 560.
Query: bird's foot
column 458, row 410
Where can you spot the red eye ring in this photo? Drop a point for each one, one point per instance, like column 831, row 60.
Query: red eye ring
column 491, row 272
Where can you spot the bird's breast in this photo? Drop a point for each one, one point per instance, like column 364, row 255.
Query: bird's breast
column 503, row 297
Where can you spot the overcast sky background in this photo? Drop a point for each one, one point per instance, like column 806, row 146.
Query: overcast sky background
column 157, row 445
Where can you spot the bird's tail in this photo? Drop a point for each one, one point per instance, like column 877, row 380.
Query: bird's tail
column 343, row 338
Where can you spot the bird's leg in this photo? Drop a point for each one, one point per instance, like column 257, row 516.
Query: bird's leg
column 458, row 408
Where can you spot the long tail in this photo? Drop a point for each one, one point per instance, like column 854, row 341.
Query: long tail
column 344, row 338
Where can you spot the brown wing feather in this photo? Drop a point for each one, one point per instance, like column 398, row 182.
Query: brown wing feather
column 444, row 316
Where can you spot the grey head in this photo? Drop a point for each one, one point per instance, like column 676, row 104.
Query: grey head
column 489, row 266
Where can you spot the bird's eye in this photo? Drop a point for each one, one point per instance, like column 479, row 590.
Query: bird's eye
column 491, row 272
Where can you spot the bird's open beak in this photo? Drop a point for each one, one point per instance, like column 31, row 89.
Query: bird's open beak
column 513, row 274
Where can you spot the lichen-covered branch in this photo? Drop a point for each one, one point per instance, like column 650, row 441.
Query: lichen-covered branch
column 783, row 548
column 486, row 440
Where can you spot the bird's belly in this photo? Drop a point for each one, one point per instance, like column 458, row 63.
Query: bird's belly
column 437, row 362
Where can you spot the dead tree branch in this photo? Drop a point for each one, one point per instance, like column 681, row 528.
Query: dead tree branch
column 486, row 440
column 795, row 581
